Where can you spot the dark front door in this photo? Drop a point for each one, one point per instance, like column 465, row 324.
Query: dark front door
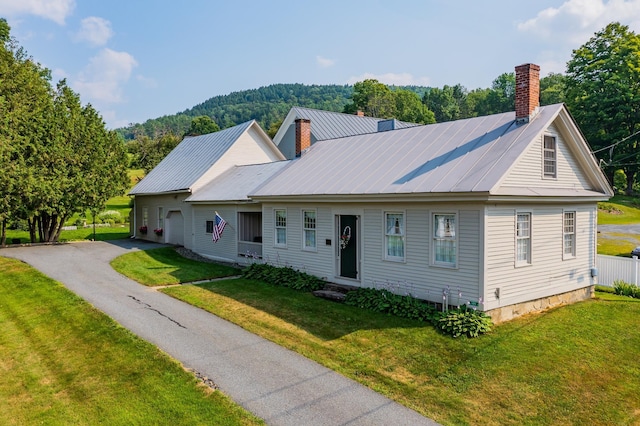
column 348, row 246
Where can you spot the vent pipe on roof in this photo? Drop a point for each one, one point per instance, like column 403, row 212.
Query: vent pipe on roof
column 386, row 125
column 527, row 92
column 303, row 135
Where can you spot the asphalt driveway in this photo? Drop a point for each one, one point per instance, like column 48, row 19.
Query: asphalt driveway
column 274, row 383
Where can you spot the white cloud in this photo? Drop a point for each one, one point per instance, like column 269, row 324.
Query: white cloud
column 402, row 79
column 55, row 10
column 102, row 79
column 95, row 31
column 575, row 21
column 324, row 62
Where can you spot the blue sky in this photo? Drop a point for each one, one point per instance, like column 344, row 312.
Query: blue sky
column 137, row 59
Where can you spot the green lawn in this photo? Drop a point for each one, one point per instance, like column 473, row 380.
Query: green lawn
column 619, row 210
column 115, row 232
column 164, row 266
column 572, row 365
column 63, row 362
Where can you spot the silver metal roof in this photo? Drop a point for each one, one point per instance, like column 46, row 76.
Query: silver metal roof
column 469, row 155
column 331, row 125
column 237, row 182
column 179, row 170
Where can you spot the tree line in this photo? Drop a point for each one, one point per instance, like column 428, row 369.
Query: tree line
column 56, row 155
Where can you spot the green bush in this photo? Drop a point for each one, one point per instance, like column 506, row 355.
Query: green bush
column 625, row 289
column 390, row 303
column 464, row 322
column 285, row 277
column 110, row 217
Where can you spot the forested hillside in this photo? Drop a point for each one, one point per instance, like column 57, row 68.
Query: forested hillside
column 267, row 105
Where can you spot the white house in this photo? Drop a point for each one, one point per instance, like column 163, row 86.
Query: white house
column 498, row 210
column 160, row 196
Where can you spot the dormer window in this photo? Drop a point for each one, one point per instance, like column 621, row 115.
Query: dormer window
column 549, row 157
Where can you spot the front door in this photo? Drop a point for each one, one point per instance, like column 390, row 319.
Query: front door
column 348, row 245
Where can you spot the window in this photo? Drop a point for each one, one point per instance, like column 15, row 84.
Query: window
column 549, row 153
column 160, row 218
column 209, row 226
column 145, row 216
column 569, row 234
column 523, row 239
column 394, row 236
column 309, row 229
column 280, row 227
column 444, row 239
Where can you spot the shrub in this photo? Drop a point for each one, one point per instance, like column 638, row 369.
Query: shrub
column 625, row 289
column 464, row 322
column 285, row 277
column 109, row 216
column 390, row 303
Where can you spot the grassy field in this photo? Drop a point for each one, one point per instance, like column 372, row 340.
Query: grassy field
column 164, row 266
column 573, row 365
column 619, row 210
column 63, row 362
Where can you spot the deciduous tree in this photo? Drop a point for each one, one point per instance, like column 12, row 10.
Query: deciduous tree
column 603, row 94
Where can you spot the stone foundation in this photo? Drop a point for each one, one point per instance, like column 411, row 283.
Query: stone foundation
column 510, row 312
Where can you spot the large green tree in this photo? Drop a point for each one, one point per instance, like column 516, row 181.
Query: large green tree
column 603, row 94
column 56, row 156
column 202, row 125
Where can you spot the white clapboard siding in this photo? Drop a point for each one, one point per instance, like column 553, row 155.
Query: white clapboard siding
column 527, row 172
column 549, row 273
column 169, row 204
column 614, row 268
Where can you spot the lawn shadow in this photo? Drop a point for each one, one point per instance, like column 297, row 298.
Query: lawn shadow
column 325, row 319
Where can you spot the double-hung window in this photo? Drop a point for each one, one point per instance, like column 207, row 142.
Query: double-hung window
column 309, row 229
column 523, row 238
column 444, row 240
column 569, row 235
column 550, row 157
column 160, row 218
column 394, row 236
column 145, row 216
column 280, row 218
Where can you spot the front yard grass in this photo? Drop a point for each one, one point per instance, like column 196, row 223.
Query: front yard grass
column 63, row 362
column 573, row 365
column 164, row 266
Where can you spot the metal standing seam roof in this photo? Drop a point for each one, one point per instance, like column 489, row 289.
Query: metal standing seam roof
column 237, row 182
column 179, row 170
column 332, row 125
column 471, row 155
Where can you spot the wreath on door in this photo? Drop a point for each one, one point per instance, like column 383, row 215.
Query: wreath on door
column 345, row 237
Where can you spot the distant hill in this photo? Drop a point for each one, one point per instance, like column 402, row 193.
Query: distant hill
column 267, row 105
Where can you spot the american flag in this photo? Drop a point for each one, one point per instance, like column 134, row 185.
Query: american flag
column 218, row 227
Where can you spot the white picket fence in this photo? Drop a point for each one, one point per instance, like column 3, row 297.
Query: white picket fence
column 612, row 268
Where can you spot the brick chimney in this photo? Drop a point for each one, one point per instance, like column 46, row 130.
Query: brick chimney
column 303, row 135
column 527, row 92
column 360, row 113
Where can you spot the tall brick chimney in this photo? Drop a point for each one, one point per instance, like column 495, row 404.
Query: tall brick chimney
column 303, row 135
column 527, row 92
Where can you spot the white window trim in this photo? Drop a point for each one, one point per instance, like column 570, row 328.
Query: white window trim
column 160, row 218
column 529, row 261
column 432, row 237
column 385, row 255
column 555, row 150
column 145, row 216
column 567, row 256
column 304, row 240
column 276, row 227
